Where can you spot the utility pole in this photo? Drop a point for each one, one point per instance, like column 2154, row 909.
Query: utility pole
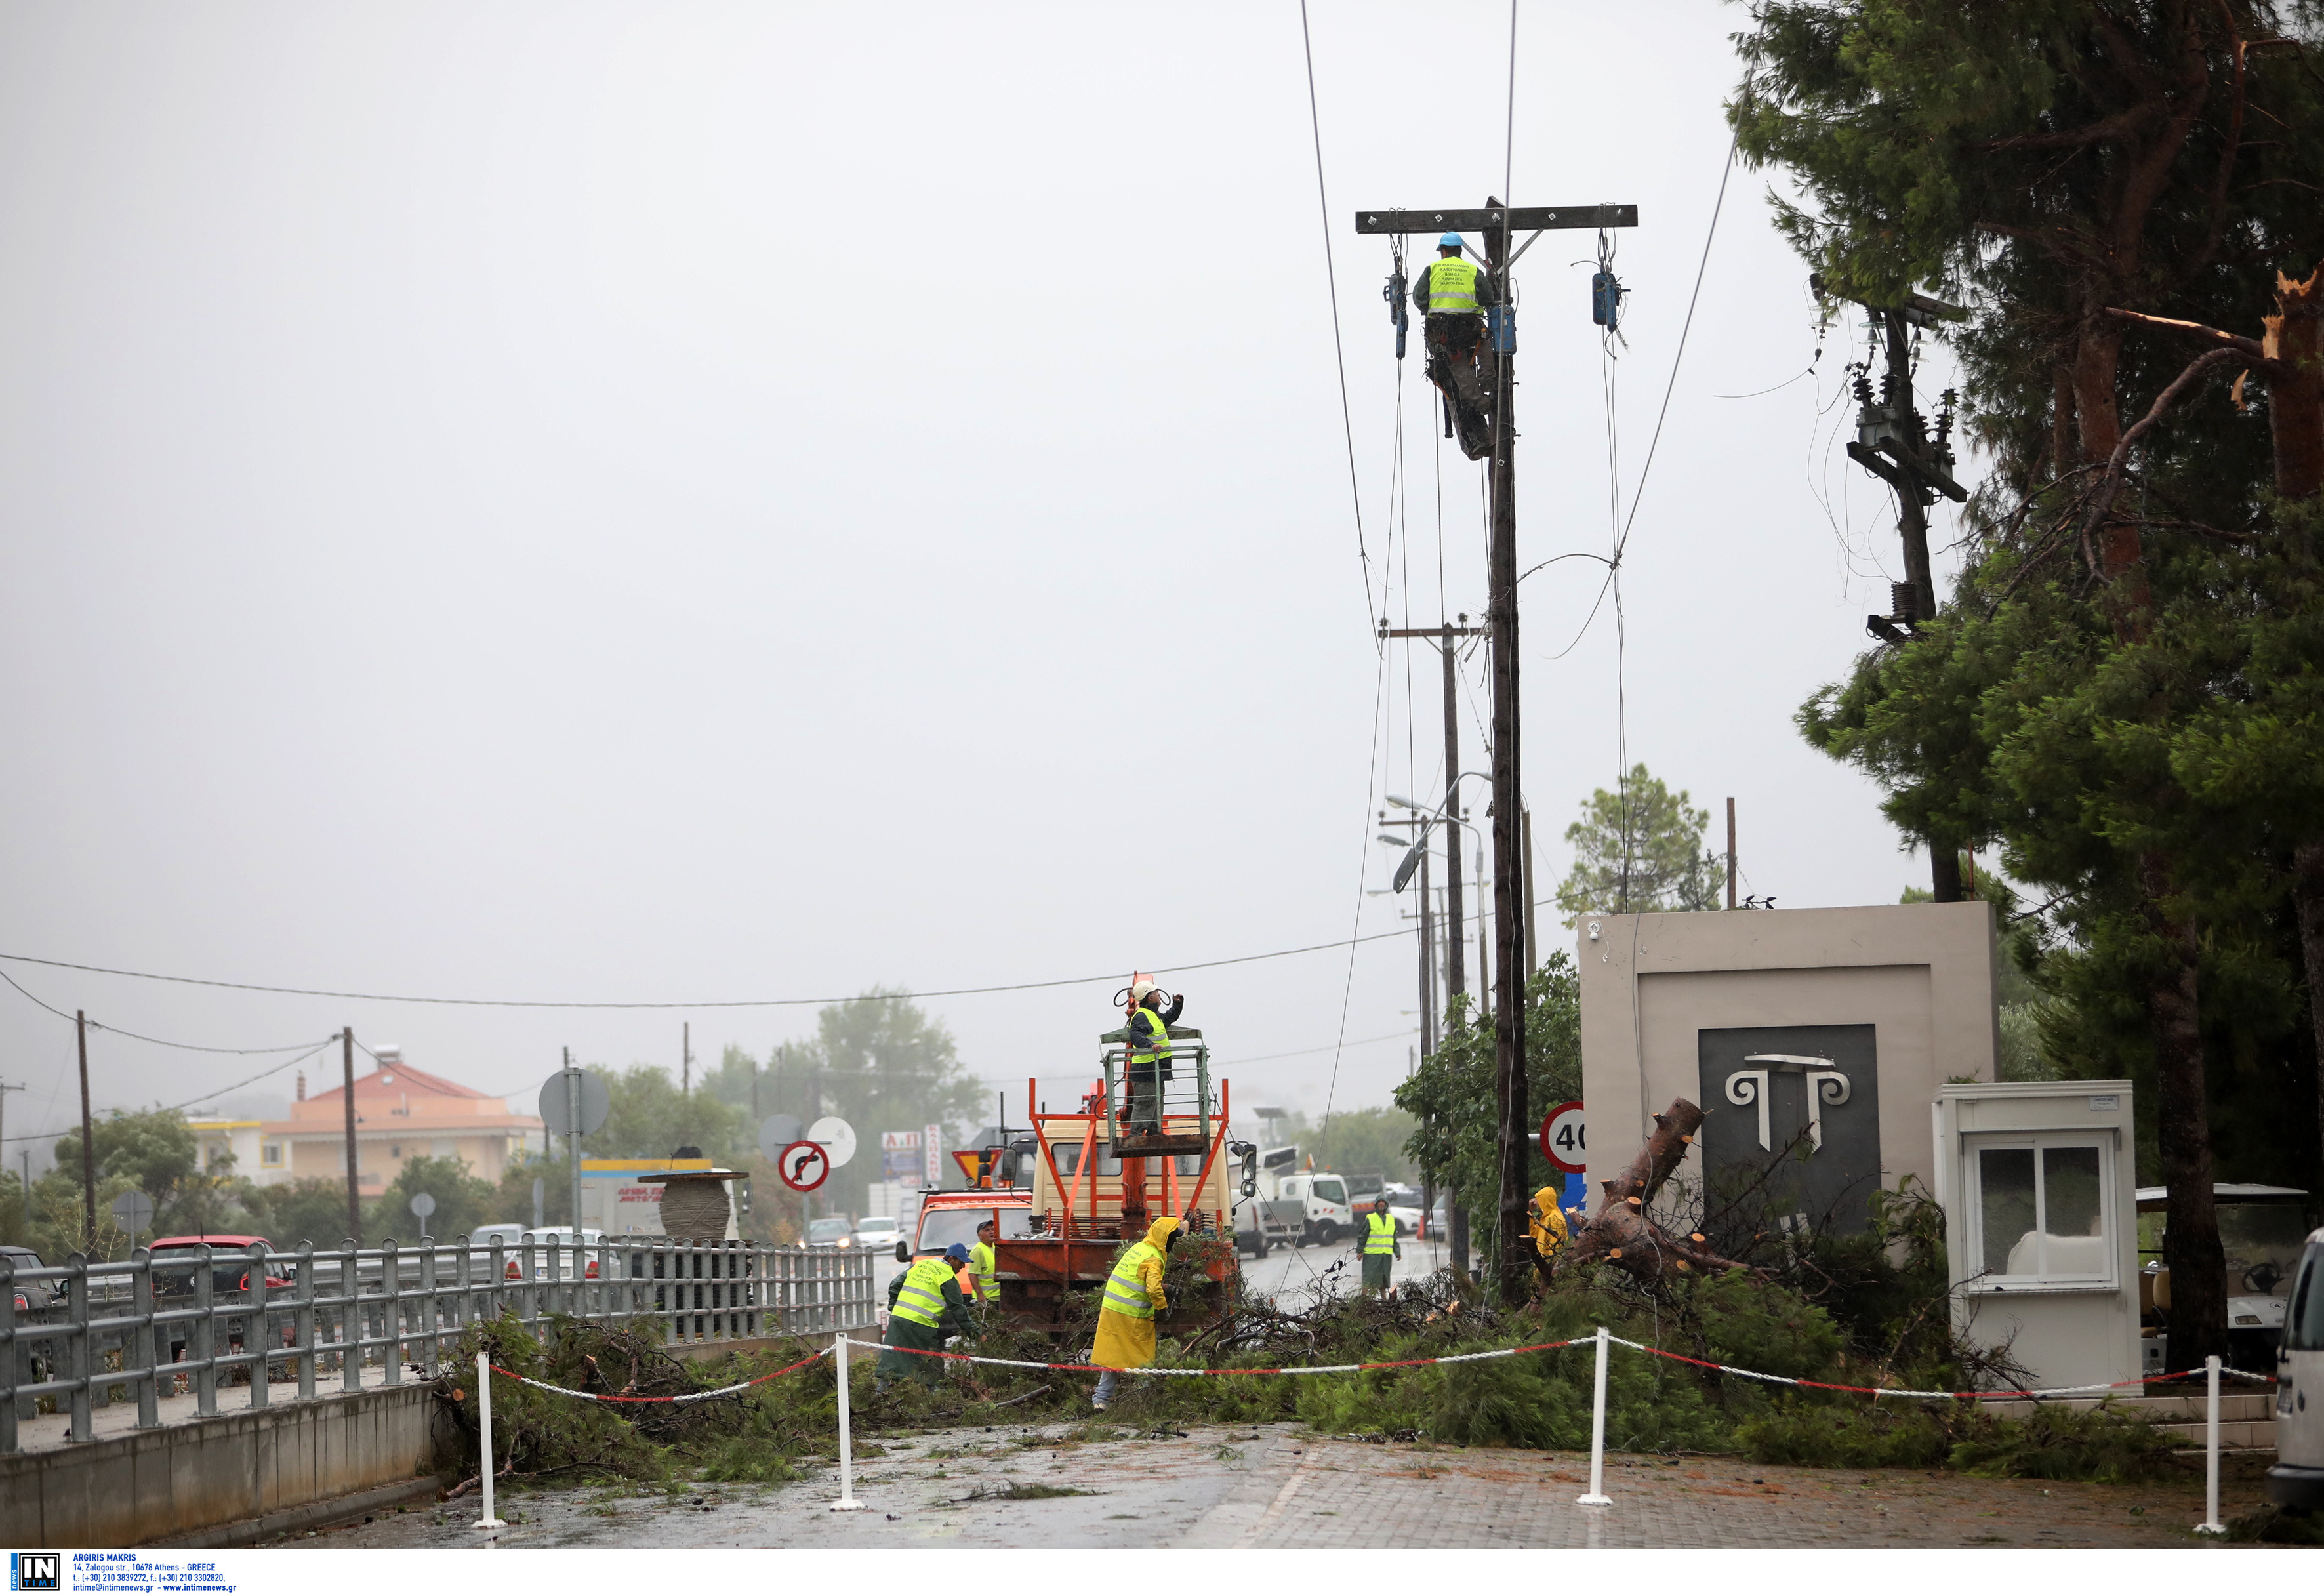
column 1455, row 934
column 1730, row 853
column 1497, row 222
column 354, row 1189
column 686, row 1060
column 573, row 1139
column 1892, row 443
column 27, row 1193
column 88, row 1140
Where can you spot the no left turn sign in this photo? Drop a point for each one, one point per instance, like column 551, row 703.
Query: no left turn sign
column 804, row 1166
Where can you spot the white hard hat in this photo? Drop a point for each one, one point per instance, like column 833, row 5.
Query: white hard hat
column 1139, row 989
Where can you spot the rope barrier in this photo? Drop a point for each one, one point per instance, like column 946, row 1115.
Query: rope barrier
column 524, row 1379
column 1309, row 1368
column 2044, row 1394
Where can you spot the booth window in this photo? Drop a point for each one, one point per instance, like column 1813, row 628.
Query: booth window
column 271, row 1155
column 2042, row 1212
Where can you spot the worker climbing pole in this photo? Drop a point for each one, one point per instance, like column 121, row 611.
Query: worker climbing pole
column 1455, row 289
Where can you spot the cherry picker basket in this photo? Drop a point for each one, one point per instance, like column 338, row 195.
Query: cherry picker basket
column 1155, row 1122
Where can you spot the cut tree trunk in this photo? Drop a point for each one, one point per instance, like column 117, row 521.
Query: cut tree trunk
column 1622, row 1233
column 2295, row 391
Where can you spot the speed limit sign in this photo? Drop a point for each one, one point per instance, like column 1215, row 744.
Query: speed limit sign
column 804, row 1166
column 1563, row 1138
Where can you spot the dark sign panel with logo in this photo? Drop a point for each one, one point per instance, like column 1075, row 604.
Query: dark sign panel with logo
column 1797, row 1106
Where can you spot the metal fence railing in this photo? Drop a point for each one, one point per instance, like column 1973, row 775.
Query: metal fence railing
column 90, row 1335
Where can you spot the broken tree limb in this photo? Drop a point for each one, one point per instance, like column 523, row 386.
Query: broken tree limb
column 1621, row 1233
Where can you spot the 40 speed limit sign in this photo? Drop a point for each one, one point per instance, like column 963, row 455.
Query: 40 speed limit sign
column 803, row 1165
column 1565, row 1141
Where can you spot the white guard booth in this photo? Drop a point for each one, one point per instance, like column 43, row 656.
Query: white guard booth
column 2037, row 1183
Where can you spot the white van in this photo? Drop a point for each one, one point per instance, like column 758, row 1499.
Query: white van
column 1325, row 1213
column 2297, row 1480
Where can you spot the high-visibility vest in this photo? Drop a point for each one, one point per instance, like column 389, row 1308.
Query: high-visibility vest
column 1153, row 1049
column 920, row 1298
column 1452, row 287
column 1380, row 1235
column 981, row 1265
column 1125, row 1288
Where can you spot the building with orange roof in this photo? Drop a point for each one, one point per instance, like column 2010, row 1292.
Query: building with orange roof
column 402, row 1114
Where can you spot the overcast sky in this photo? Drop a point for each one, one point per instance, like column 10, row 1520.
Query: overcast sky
column 675, row 502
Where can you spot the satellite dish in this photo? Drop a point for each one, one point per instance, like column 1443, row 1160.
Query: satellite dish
column 597, row 1103
column 776, row 1133
column 836, row 1136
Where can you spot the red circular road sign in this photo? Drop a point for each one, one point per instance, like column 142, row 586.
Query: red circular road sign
column 1564, row 1141
column 804, row 1166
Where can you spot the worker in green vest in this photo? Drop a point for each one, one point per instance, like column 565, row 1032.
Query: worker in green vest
column 924, row 1306
column 1148, row 1027
column 1381, row 1248
column 1132, row 1297
column 1451, row 294
column 981, row 1262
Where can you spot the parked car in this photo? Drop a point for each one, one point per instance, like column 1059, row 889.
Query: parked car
column 830, row 1233
column 877, row 1233
column 2297, row 1480
column 175, row 1260
column 25, row 1257
column 555, row 1252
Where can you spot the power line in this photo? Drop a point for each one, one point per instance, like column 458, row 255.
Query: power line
column 272, row 1069
column 1338, row 353
column 956, row 992
column 157, row 1041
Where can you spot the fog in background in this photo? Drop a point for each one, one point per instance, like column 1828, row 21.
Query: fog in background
column 676, row 503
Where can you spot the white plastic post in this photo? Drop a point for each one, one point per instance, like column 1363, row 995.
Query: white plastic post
column 2211, row 1524
column 1598, row 1497
column 846, row 1502
column 484, row 1469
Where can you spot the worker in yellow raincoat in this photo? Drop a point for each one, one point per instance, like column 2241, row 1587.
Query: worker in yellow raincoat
column 1133, row 1296
column 1545, row 1223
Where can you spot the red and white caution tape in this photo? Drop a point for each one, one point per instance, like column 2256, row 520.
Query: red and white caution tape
column 525, row 1379
column 1309, row 1368
column 2044, row 1394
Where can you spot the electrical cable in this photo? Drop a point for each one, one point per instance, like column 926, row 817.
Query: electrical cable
column 1339, row 352
column 957, row 992
column 156, row 1041
column 272, row 1069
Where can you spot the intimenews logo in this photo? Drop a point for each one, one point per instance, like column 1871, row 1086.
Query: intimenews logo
column 35, row 1570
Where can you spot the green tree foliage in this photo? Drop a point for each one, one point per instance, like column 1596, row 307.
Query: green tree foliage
column 313, row 1209
column 1640, row 851
column 1450, row 1096
column 463, row 1202
column 2064, row 168
column 153, row 1151
column 651, row 1118
column 1357, row 1141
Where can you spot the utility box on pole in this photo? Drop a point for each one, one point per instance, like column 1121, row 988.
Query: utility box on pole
column 2037, row 1180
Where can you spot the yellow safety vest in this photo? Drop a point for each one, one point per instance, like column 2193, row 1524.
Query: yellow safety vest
column 1452, row 287
column 1153, row 1049
column 1380, row 1234
column 1125, row 1290
column 921, row 1299
column 981, row 1265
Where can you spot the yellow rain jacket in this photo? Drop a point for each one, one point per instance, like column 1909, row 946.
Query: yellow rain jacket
column 1126, row 1341
column 1547, row 1221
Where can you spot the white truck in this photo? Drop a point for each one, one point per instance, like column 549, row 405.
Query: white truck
column 1300, row 1207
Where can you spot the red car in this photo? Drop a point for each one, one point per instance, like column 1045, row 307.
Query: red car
column 227, row 1272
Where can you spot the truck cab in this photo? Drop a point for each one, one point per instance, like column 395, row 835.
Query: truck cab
column 1317, row 1204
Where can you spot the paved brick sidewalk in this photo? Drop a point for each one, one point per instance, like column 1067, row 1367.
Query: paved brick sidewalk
column 1276, row 1486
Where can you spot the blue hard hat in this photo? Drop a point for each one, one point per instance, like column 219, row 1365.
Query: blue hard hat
column 1450, row 241
column 956, row 1253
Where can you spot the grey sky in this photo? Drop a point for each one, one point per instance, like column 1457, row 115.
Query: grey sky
column 669, row 502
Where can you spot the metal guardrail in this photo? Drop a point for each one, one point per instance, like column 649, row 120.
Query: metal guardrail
column 94, row 1334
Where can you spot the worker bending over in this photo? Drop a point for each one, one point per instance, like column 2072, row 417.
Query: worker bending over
column 1380, row 1246
column 924, row 1306
column 1453, row 294
column 1133, row 1296
column 1149, row 1052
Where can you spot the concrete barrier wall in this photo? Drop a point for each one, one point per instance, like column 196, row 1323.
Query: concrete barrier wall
column 147, row 1485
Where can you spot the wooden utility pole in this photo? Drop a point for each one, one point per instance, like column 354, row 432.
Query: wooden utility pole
column 355, row 1181
column 87, row 1138
column 1496, row 222
column 1455, row 933
column 686, row 1060
column 1730, row 853
column 1892, row 443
